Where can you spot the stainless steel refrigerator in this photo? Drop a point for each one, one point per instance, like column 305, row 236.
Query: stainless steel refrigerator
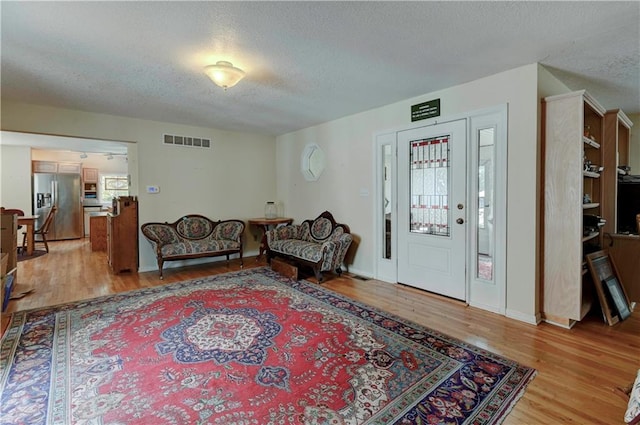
column 63, row 191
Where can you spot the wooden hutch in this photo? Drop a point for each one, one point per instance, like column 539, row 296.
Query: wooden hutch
column 122, row 235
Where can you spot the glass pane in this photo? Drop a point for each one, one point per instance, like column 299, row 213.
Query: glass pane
column 386, row 196
column 485, row 189
column 114, row 186
column 429, row 186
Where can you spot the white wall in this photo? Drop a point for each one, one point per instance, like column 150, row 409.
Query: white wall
column 348, row 144
column 15, row 178
column 233, row 179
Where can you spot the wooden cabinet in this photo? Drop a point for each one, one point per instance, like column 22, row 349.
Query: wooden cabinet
column 69, row 167
column 44, row 166
column 56, row 167
column 122, row 235
column 625, row 253
column 9, row 250
column 573, row 130
column 98, row 232
column 617, row 136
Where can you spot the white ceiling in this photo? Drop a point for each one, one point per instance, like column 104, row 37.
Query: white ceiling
column 306, row 62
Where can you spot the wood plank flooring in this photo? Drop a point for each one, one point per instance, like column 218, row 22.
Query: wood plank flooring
column 578, row 369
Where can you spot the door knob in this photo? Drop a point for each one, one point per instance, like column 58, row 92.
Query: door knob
column 459, row 221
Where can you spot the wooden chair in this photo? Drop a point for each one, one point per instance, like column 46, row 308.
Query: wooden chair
column 12, row 211
column 42, row 231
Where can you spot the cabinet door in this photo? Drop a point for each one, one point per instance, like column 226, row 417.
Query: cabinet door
column 45, row 167
column 71, row 168
column 90, row 175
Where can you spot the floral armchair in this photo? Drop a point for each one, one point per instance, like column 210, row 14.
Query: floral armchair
column 320, row 243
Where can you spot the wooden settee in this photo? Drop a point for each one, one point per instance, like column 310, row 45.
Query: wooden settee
column 194, row 236
column 319, row 243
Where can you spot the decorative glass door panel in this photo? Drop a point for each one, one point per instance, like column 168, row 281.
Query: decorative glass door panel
column 429, row 186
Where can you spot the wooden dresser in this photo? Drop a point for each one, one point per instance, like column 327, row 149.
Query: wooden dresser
column 122, row 235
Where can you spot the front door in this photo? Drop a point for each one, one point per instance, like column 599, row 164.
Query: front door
column 431, row 208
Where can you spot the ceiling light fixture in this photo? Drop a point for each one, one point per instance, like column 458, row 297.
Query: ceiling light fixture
column 224, row 74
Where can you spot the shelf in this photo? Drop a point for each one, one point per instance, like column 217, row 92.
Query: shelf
column 590, row 142
column 590, row 236
column 589, row 206
column 591, row 174
column 585, row 307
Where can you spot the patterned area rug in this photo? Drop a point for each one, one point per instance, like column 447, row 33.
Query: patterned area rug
column 22, row 256
column 248, row 347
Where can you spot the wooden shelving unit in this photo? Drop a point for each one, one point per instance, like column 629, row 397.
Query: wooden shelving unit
column 617, row 135
column 573, row 126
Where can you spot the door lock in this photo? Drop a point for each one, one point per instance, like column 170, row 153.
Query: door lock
column 459, row 221
column 460, row 206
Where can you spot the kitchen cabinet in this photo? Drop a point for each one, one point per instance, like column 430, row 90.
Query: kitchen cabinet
column 573, row 130
column 90, row 175
column 44, row 166
column 90, row 183
column 56, row 167
column 69, row 167
column 122, row 235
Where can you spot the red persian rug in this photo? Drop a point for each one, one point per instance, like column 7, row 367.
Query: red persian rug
column 248, row 347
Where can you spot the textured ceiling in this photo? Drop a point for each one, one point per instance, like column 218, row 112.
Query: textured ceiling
column 306, row 62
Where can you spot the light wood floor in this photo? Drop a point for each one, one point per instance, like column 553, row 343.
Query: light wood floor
column 578, row 369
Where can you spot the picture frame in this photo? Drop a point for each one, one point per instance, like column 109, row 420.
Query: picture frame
column 618, row 297
column 612, row 296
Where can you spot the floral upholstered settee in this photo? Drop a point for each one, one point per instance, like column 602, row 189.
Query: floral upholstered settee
column 194, row 236
column 320, row 243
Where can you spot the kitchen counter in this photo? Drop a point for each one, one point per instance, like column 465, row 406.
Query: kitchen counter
column 93, row 210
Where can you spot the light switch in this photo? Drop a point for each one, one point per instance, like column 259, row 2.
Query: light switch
column 153, row 189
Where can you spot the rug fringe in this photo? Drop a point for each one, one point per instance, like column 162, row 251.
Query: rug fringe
column 516, row 397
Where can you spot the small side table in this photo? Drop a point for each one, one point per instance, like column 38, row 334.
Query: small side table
column 266, row 224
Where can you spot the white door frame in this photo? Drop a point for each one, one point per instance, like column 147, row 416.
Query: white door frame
column 482, row 294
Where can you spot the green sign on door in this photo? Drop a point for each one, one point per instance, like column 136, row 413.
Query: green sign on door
column 425, row 110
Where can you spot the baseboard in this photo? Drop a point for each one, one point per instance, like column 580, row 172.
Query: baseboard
column 358, row 272
column 526, row 318
column 486, row 307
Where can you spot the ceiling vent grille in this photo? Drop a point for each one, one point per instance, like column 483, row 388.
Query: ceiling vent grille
column 190, row 142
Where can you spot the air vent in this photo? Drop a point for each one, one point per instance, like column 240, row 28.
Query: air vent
column 190, row 142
